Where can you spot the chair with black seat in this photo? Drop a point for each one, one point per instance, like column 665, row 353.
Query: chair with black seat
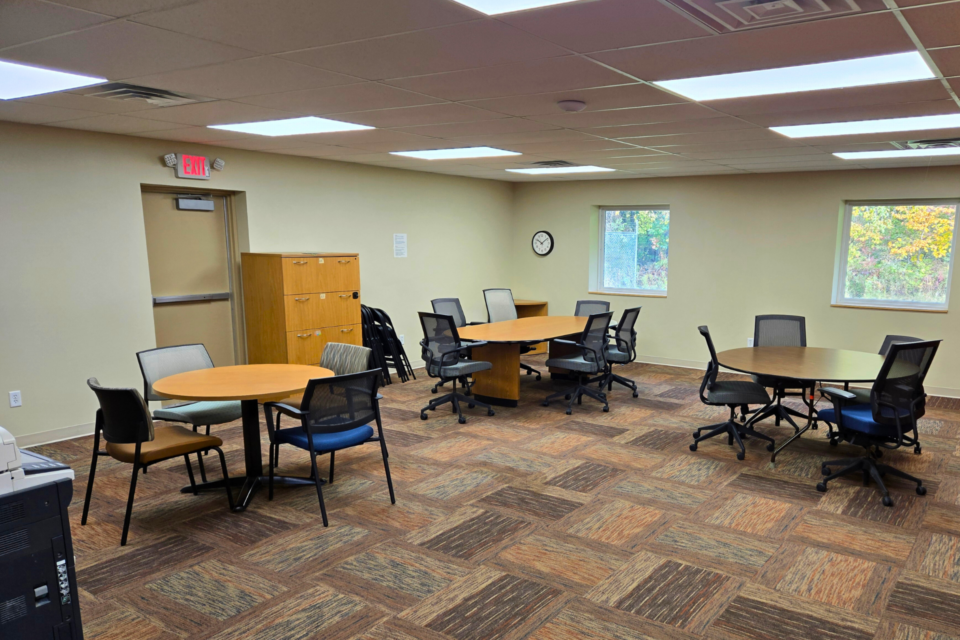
column 442, row 350
column 591, row 361
column 586, row 308
column 624, row 349
column 124, row 421
column 501, row 308
column 335, row 414
column 889, row 421
column 780, row 331
column 159, row 363
column 731, row 394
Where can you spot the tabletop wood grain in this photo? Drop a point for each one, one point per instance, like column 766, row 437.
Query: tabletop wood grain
column 532, row 329
column 241, row 382
column 806, row 363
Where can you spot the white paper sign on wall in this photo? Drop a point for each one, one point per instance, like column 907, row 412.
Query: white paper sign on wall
column 399, row 245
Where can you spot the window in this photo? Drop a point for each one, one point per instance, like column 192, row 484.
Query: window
column 634, row 244
column 896, row 255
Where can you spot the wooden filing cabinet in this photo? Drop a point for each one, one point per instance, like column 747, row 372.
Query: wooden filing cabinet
column 295, row 303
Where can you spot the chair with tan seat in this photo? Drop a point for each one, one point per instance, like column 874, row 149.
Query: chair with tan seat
column 125, row 423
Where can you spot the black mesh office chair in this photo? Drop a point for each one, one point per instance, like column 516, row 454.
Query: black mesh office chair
column 500, row 308
column 731, row 394
column 780, row 331
column 335, row 413
column 586, row 308
column 889, row 421
column 442, row 349
column 451, row 307
column 592, row 361
column 624, row 349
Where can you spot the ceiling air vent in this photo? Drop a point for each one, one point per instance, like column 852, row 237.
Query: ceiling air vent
column 553, row 163
column 724, row 16
column 943, row 143
column 155, row 97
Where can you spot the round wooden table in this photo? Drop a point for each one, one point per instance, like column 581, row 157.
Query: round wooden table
column 808, row 364
column 250, row 384
column 501, row 384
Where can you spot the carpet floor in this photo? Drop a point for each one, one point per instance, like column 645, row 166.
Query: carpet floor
column 534, row 524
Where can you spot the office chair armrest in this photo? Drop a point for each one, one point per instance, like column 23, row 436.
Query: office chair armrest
column 569, row 342
column 280, row 405
column 836, row 394
column 473, row 324
column 472, row 345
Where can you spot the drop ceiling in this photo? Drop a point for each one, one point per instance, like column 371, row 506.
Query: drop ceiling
column 435, row 74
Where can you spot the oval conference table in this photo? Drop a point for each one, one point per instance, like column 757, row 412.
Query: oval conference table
column 250, row 384
column 501, row 384
column 809, row 364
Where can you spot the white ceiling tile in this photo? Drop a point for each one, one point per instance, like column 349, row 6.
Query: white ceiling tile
column 217, row 112
column 201, row 135
column 433, row 114
column 123, row 50
column 250, row 77
column 621, row 117
column 26, row 20
column 633, row 95
column 69, row 100
column 847, row 114
column 352, row 97
column 319, row 151
column 121, row 8
column 481, row 43
column 20, row 111
column 116, row 123
column 274, row 26
column 481, row 127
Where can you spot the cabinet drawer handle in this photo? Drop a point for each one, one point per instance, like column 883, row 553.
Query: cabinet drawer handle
column 299, row 262
column 343, row 261
column 346, row 330
column 344, row 295
column 301, row 299
column 304, row 335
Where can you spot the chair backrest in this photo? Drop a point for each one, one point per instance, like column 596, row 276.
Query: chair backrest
column 450, row 307
column 780, row 331
column 898, row 388
column 890, row 339
column 589, row 307
column 500, row 305
column 595, row 337
column 713, row 367
column 625, row 331
column 340, row 403
column 345, row 358
column 156, row 364
column 126, row 418
column 440, row 341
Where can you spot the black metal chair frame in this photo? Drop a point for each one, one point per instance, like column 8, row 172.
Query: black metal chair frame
column 736, row 431
column 584, row 380
column 874, row 446
column 303, row 413
column 524, row 348
column 137, row 466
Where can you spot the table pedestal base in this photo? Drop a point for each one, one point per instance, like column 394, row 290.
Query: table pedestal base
column 249, row 486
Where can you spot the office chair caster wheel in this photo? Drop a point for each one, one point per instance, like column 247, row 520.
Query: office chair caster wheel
column 423, row 415
column 770, row 447
column 462, row 420
column 693, row 447
column 569, row 412
column 834, row 442
column 490, row 412
column 824, row 471
column 434, row 390
column 636, row 395
column 887, row 501
column 538, row 376
column 546, row 404
column 741, row 455
column 822, row 487
column 921, row 490
column 916, row 450
column 529, row 373
column 606, row 409
column 471, row 406
column 566, row 397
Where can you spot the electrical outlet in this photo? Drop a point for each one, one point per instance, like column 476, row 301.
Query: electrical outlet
column 401, row 339
column 749, row 342
column 15, row 400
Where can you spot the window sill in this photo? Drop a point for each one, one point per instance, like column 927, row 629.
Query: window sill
column 629, row 295
column 879, row 308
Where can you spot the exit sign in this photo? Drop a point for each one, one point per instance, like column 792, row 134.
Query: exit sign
column 193, row 167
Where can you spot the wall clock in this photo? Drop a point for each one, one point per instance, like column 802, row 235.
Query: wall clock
column 542, row 243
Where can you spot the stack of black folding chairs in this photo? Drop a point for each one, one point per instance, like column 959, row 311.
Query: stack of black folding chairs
column 380, row 336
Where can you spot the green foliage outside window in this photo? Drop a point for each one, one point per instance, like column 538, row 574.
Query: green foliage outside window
column 636, row 248
column 900, row 252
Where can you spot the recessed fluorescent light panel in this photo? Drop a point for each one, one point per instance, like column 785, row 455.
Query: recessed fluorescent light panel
column 21, row 81
column 554, row 170
column 899, row 153
column 495, row 7
column 455, row 154
column 888, row 125
column 897, row 67
column 291, row 127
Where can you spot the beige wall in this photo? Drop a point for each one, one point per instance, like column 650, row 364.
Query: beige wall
column 75, row 291
column 739, row 246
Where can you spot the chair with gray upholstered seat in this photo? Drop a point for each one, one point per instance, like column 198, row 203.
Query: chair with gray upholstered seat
column 451, row 307
column 501, row 308
column 590, row 361
column 586, row 308
column 623, row 350
column 731, row 394
column 442, row 349
column 156, row 364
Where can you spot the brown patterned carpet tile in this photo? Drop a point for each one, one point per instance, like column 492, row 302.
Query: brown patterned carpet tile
column 534, row 524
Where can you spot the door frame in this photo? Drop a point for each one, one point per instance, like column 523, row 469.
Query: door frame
column 233, row 255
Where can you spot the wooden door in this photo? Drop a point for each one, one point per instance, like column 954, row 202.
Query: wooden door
column 190, row 275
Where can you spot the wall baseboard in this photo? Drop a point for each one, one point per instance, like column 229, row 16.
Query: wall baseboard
column 55, row 435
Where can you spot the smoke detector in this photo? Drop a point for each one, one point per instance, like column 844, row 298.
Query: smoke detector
column 573, row 106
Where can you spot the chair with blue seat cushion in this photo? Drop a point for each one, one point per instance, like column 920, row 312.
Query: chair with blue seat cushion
column 623, row 350
column 336, row 413
column 590, row 361
column 897, row 401
column 442, row 354
column 156, row 364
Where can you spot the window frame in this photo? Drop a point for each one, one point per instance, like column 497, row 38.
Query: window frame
column 601, row 247
column 839, row 298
